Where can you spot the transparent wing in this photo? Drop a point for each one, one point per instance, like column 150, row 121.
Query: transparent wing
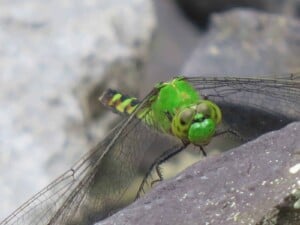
column 98, row 184
column 51, row 201
column 253, row 106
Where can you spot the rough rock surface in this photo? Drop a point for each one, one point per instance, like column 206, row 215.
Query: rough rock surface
column 51, row 54
column 246, row 42
column 240, row 186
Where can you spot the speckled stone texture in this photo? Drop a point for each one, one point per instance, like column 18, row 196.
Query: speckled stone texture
column 240, row 186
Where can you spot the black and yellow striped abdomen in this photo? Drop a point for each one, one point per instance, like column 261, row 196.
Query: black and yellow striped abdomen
column 122, row 104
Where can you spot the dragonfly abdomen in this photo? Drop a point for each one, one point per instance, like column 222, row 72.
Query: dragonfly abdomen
column 118, row 102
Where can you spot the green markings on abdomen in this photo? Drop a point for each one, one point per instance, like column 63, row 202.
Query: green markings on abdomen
column 118, row 102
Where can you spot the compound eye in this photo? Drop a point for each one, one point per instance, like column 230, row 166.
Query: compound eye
column 186, row 116
column 203, row 109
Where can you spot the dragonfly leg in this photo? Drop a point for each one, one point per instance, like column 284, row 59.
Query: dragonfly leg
column 233, row 132
column 164, row 157
column 202, row 150
column 159, row 174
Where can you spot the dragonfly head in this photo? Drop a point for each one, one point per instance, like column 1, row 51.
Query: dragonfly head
column 197, row 123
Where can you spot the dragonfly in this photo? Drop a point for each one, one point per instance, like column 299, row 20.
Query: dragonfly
column 175, row 114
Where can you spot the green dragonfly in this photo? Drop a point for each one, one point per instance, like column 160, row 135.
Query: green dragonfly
column 184, row 111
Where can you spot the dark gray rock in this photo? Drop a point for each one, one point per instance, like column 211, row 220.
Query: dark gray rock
column 52, row 55
column 199, row 11
column 246, row 42
column 241, row 186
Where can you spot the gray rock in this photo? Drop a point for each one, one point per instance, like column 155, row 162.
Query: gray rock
column 200, row 11
column 246, row 42
column 241, row 186
column 174, row 41
column 52, row 56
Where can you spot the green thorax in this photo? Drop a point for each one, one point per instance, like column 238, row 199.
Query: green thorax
column 172, row 96
column 179, row 109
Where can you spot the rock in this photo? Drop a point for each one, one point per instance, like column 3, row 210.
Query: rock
column 200, row 11
column 241, row 186
column 246, row 42
column 174, row 41
column 52, row 56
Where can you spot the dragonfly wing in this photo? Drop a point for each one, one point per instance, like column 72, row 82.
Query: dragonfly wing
column 264, row 103
column 52, row 202
column 98, row 184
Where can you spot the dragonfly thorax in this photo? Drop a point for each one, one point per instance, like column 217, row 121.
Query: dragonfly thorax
column 197, row 123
